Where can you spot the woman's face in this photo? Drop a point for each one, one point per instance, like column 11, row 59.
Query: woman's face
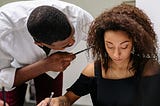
column 118, row 46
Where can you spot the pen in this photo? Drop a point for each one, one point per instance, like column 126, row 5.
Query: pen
column 50, row 98
column 82, row 50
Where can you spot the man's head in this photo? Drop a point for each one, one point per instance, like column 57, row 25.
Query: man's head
column 48, row 25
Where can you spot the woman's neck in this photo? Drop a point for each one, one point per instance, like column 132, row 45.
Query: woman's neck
column 118, row 71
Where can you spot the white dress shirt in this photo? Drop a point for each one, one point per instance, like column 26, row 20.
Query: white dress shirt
column 17, row 48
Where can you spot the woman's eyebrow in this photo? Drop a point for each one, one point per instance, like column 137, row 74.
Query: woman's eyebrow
column 108, row 42
column 124, row 42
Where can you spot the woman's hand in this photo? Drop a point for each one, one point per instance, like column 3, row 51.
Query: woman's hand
column 57, row 101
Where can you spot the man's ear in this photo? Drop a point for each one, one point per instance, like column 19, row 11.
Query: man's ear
column 39, row 44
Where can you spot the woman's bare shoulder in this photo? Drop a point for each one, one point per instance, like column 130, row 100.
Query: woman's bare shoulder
column 89, row 70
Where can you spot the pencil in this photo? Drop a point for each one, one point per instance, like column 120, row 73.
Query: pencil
column 82, row 50
column 50, row 98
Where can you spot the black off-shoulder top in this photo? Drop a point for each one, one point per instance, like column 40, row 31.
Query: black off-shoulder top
column 118, row 92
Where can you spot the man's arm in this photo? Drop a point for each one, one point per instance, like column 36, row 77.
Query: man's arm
column 57, row 62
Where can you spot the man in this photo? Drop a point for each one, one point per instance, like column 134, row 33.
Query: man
column 31, row 35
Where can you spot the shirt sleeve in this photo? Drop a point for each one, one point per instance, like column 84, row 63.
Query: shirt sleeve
column 7, row 72
column 83, row 86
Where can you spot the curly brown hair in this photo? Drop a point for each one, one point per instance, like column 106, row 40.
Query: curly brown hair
column 134, row 22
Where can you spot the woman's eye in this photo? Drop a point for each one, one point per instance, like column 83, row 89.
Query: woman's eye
column 124, row 46
column 109, row 46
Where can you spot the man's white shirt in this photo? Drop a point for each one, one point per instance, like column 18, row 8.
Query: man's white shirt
column 17, row 48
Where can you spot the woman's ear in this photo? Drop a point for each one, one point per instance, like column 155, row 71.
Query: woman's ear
column 39, row 44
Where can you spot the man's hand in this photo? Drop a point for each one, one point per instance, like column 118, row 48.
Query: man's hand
column 58, row 61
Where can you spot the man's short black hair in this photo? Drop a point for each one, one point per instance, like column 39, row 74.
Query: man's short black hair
column 47, row 24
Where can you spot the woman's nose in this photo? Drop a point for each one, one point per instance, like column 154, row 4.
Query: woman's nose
column 116, row 53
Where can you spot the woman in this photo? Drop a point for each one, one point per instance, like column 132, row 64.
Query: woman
column 126, row 62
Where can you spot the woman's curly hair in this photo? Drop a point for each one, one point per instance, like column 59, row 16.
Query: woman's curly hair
column 126, row 18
